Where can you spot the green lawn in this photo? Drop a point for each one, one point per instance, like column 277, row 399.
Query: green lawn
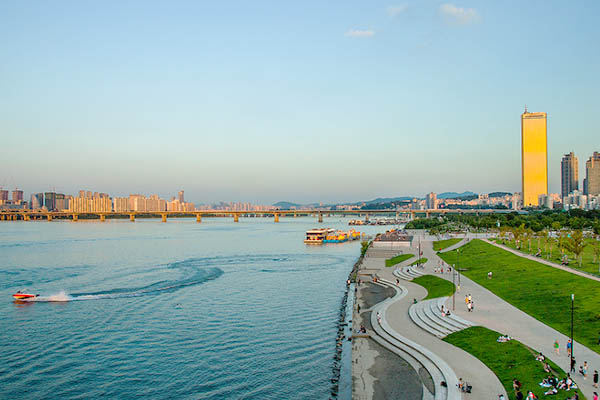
column 390, row 262
column 442, row 244
column 588, row 262
column 541, row 291
column 507, row 360
column 436, row 287
column 421, row 260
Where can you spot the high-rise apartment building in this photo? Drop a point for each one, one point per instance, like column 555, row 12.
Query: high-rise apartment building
column 569, row 167
column 592, row 175
column 534, row 157
column 17, row 196
column 431, row 201
column 180, row 197
column 50, row 201
column 37, row 201
column 3, row 196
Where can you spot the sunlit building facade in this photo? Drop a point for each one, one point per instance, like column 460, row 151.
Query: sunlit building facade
column 534, row 157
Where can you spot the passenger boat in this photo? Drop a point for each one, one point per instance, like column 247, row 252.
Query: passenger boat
column 317, row 236
column 336, row 237
column 329, row 235
column 23, row 296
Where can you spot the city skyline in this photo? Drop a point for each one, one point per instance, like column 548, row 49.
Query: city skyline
column 308, row 103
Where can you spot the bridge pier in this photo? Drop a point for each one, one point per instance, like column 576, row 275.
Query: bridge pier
column 276, row 217
column 132, row 217
column 320, row 217
column 49, row 217
column 236, row 217
column 427, row 214
column 75, row 217
column 164, row 217
column 366, row 217
column 102, row 217
column 198, row 218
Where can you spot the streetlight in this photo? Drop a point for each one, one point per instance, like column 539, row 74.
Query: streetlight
column 453, row 293
column 572, row 342
column 457, row 263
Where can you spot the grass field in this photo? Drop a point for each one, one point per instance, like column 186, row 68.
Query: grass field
column 539, row 290
column 421, row 260
column 507, row 360
column 436, row 287
column 588, row 262
column 390, row 262
column 442, row 244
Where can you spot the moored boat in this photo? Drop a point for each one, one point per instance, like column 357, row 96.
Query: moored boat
column 316, row 236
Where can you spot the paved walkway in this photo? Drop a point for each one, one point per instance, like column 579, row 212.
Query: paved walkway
column 485, row 383
column 544, row 261
column 493, row 312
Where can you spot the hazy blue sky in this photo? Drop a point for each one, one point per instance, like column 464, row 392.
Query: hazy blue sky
column 304, row 101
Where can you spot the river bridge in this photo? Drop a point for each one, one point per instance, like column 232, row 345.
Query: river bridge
column 35, row 215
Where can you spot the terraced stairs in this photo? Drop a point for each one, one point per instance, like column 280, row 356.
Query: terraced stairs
column 415, row 354
column 407, row 273
column 427, row 315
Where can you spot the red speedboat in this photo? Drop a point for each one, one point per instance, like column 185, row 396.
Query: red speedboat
column 24, row 296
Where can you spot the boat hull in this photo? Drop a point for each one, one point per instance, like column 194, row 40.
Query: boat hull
column 23, row 296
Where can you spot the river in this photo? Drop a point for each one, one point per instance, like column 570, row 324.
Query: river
column 211, row 310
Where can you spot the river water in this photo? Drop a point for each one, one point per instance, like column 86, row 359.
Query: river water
column 215, row 310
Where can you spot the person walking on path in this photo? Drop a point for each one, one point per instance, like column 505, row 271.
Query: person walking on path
column 556, row 348
column 569, row 348
column 595, row 379
column 584, row 369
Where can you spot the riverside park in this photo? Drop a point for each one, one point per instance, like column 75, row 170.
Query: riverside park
column 478, row 308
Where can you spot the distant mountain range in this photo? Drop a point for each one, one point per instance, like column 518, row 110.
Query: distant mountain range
column 454, row 195
column 286, row 205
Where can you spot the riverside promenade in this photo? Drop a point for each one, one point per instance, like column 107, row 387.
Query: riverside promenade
column 493, row 312
column 425, row 359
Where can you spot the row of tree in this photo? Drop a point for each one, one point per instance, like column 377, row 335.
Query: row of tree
column 573, row 241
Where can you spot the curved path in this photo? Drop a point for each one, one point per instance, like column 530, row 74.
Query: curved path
column 495, row 313
column 396, row 318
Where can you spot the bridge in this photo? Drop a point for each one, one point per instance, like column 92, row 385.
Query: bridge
column 33, row 215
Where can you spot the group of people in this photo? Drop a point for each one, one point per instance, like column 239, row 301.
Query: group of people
column 469, row 302
column 519, row 394
column 442, row 268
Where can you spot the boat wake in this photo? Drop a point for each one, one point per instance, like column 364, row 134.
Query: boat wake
column 191, row 272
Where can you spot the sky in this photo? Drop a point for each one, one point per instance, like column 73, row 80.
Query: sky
column 311, row 101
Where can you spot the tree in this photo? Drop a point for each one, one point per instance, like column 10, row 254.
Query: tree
column 575, row 243
column 543, row 237
column 518, row 234
column 556, row 226
column 596, row 250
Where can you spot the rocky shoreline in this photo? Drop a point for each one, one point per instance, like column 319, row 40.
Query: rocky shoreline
column 343, row 325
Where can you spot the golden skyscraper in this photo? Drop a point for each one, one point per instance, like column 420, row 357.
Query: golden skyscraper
column 534, row 157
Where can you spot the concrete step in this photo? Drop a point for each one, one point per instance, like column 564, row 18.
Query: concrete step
column 457, row 324
column 454, row 317
column 437, row 368
column 447, row 322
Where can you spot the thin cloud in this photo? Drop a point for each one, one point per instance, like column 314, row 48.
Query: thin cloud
column 459, row 15
column 394, row 11
column 360, row 33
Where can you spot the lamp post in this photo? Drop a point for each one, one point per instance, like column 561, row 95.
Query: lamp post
column 454, row 293
column 457, row 263
column 572, row 342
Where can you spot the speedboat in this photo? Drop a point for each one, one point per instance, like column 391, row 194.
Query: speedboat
column 24, row 296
